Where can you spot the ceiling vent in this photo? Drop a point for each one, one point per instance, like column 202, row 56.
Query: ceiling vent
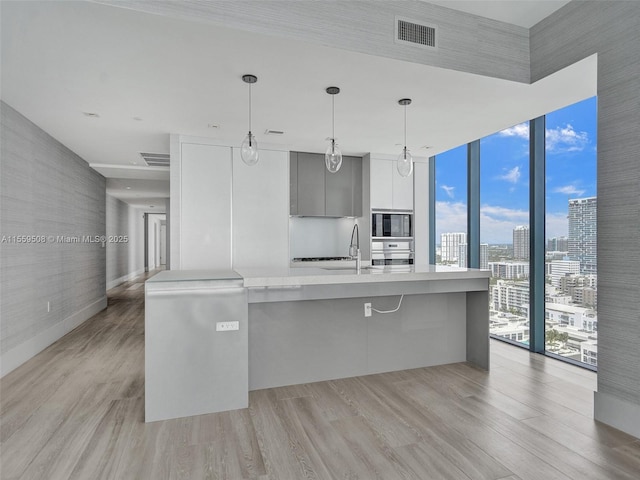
column 156, row 159
column 418, row 34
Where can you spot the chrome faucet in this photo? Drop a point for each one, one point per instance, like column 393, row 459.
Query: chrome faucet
column 354, row 248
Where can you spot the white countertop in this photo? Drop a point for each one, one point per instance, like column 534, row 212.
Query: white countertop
column 286, row 277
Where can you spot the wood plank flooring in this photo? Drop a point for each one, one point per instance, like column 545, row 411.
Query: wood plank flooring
column 76, row 411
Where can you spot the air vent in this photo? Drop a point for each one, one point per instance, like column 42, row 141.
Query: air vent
column 410, row 32
column 156, row 159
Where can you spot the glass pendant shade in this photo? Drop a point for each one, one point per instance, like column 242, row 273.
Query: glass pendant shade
column 333, row 157
column 405, row 160
column 249, row 147
column 249, row 150
column 405, row 163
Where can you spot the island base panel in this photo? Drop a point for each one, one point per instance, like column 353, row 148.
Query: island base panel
column 308, row 341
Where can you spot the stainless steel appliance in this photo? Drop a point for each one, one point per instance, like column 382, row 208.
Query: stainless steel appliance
column 394, row 224
column 392, row 252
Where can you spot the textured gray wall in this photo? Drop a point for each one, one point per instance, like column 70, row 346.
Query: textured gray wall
column 612, row 30
column 467, row 42
column 46, row 189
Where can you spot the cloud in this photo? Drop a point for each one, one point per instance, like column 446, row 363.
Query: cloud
column 496, row 223
column 557, row 225
column 521, row 131
column 558, row 140
column 449, row 190
column 565, row 139
column 450, row 217
column 569, row 190
column 512, row 175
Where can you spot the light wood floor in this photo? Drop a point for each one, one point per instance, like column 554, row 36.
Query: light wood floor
column 76, row 411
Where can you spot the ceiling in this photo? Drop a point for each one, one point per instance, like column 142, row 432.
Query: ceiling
column 146, row 76
column 524, row 13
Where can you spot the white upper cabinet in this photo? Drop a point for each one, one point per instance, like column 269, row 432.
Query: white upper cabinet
column 225, row 214
column 389, row 190
column 261, row 210
column 205, row 207
column 402, row 189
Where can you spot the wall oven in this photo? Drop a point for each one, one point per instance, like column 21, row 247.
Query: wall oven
column 391, row 224
column 396, row 252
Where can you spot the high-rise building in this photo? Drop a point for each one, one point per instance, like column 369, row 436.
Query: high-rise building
column 521, row 242
column 582, row 233
column 484, row 256
column 509, row 270
column 449, row 245
column 558, row 244
column 561, row 268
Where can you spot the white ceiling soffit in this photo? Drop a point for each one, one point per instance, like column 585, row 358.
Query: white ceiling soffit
column 146, row 76
column 140, row 193
column 524, row 13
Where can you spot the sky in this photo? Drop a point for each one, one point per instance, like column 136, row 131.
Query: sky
column 504, row 176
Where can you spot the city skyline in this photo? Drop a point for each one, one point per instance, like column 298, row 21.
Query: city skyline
column 504, row 176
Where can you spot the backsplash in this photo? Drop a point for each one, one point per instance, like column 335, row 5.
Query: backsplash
column 320, row 237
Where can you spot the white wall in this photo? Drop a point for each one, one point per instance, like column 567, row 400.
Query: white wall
column 125, row 260
column 153, row 240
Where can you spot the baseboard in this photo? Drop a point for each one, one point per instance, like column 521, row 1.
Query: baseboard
column 124, row 278
column 620, row 414
column 15, row 357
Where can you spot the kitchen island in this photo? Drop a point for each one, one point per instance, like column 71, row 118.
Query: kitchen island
column 309, row 324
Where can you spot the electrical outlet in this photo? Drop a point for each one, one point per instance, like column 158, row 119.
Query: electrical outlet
column 367, row 309
column 227, row 326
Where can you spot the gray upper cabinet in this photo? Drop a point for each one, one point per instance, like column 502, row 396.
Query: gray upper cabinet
column 311, row 184
column 314, row 191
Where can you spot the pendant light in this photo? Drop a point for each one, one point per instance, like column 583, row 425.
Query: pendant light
column 249, row 147
column 333, row 157
column 405, row 160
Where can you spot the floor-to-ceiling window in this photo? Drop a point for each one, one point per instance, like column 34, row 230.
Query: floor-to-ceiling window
column 565, row 313
column 451, row 207
column 571, row 299
column 504, row 229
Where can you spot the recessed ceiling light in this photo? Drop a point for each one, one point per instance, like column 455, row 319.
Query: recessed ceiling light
column 268, row 131
column 152, row 206
column 137, row 119
column 128, row 188
column 426, row 147
column 91, row 114
column 213, row 125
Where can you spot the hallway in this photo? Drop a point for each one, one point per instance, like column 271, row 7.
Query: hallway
column 76, row 411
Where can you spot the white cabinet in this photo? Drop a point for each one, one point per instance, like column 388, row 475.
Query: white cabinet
column 205, row 207
column 402, row 189
column 225, row 214
column 389, row 190
column 261, row 210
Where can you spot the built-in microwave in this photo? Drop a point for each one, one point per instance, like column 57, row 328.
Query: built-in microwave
column 391, row 224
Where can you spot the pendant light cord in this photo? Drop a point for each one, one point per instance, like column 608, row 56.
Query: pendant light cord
column 333, row 124
column 333, row 117
column 249, row 108
column 405, row 131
